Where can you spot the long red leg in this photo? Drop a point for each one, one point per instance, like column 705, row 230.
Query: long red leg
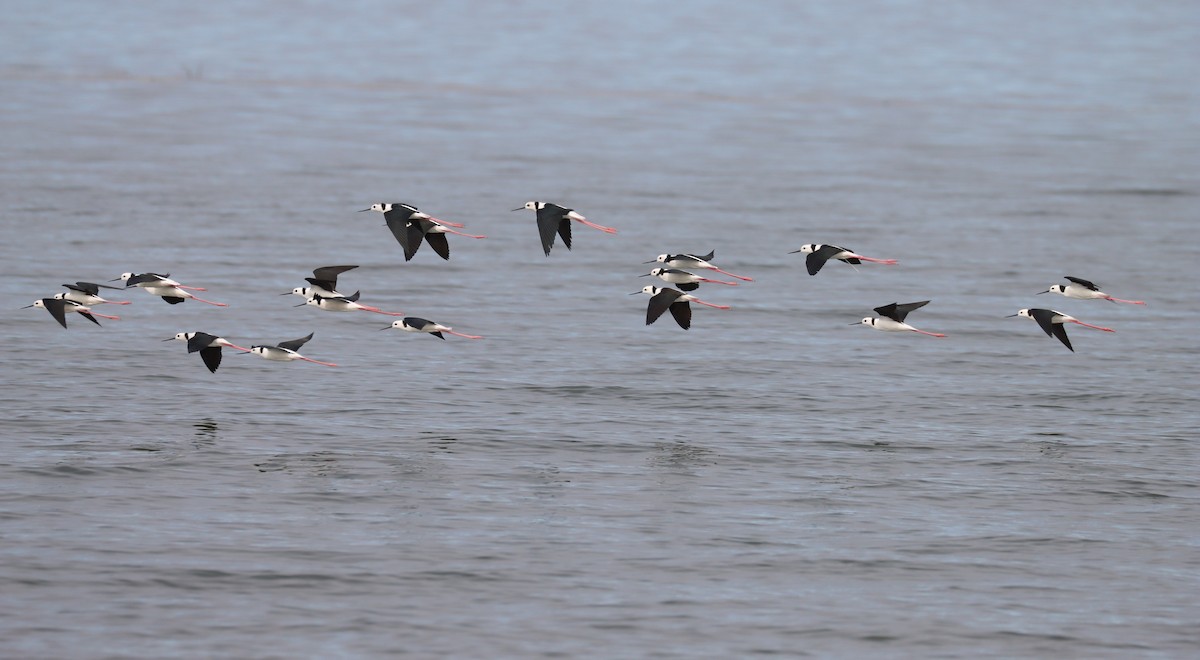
column 328, row 364
column 725, row 272
column 1122, row 300
column 701, row 302
column 459, row 334
column 208, row 301
column 1089, row 325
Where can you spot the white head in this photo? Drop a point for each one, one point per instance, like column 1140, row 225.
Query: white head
column 657, row 271
column 662, row 258
column 652, row 290
column 59, row 296
column 868, row 321
column 184, row 336
column 38, row 303
column 1023, row 312
column 1057, row 288
column 125, row 277
column 302, row 291
column 381, row 207
column 810, row 248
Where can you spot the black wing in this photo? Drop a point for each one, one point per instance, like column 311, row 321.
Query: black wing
column 326, row 276
column 1060, row 331
column 415, row 236
column 564, row 230
column 211, row 357
column 173, row 300
column 57, row 309
column 1083, row 283
column 549, row 220
column 397, row 222
column 682, row 312
column 417, row 322
column 897, row 312
column 816, row 260
column 703, row 257
column 438, row 242
column 200, row 341
column 1045, row 318
column 659, row 303
column 295, row 344
column 330, row 273
column 688, row 286
column 142, row 279
column 353, row 297
column 88, row 317
column 90, row 288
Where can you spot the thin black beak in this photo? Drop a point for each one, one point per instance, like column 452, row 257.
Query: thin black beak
column 387, row 328
column 795, row 251
column 1041, row 292
column 361, row 210
column 286, row 294
column 300, row 305
column 855, row 323
column 520, row 209
column 635, row 293
column 170, row 339
column 27, row 306
column 646, row 275
column 1011, row 315
column 115, row 280
column 652, row 261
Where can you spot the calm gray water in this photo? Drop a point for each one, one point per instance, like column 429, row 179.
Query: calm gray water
column 773, row 481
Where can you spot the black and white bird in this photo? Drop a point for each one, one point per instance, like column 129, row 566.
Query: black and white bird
column 415, row 324
column 694, row 262
column 1052, row 322
column 552, row 219
column 891, row 318
column 58, row 308
column 410, row 226
column 164, row 287
column 323, row 281
column 684, row 280
column 286, row 351
column 819, row 254
column 209, row 347
column 88, row 293
column 1084, row 290
column 344, row 304
column 662, row 299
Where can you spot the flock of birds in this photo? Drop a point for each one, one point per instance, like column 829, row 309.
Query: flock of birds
column 412, row 228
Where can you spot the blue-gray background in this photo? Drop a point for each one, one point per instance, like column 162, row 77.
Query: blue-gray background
column 773, row 481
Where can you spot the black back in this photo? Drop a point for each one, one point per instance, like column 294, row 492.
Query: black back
column 144, row 278
column 1083, row 283
column 200, row 341
column 897, row 312
column 295, row 344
